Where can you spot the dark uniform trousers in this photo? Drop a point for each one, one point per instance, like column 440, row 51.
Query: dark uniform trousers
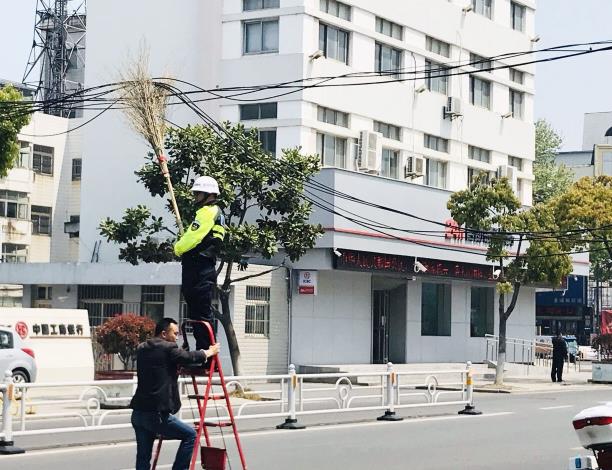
column 199, row 280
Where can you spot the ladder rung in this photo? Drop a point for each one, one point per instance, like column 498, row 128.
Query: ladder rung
column 201, row 397
column 218, row 424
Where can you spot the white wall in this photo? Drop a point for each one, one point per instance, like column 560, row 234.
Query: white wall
column 334, row 326
column 595, row 127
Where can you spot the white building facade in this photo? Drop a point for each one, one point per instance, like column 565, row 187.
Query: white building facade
column 427, row 135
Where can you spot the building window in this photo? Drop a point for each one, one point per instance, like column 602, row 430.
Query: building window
column 481, row 155
column 268, row 140
column 482, row 7
column 42, row 296
column 435, row 143
column 435, row 174
column 517, row 76
column 103, row 302
column 389, row 28
column 260, row 36
column 72, row 227
column 249, row 5
column 480, row 63
column 334, row 42
column 390, row 163
column 435, row 309
column 13, row 253
column 480, row 92
column 388, row 130
column 331, row 116
column 332, row 150
column 152, row 302
column 436, row 78
column 481, row 311
column 23, row 160
column 516, row 162
column 517, row 14
column 438, row 47
column 13, row 204
column 42, row 160
column 339, row 9
column 76, row 169
column 516, row 103
column 388, row 59
column 257, row 311
column 41, row 220
column 472, row 173
column 250, row 112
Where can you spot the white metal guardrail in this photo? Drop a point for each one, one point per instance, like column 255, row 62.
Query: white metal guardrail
column 80, row 404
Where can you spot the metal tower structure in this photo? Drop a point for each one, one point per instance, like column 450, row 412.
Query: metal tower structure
column 56, row 65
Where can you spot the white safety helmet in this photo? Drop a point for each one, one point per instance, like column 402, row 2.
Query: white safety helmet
column 205, row 184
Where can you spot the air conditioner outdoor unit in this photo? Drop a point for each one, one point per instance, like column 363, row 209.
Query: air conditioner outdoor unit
column 415, row 167
column 452, row 109
column 369, row 153
column 506, row 171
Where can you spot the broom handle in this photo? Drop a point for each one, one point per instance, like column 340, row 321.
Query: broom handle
column 164, row 168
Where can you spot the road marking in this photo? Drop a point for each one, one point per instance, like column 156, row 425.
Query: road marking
column 560, row 407
column 272, row 432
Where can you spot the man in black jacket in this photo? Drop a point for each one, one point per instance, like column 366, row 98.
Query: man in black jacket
column 157, row 396
column 559, row 355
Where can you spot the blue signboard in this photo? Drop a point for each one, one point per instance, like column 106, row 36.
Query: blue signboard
column 574, row 296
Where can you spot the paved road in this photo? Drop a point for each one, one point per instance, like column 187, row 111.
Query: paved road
column 516, row 431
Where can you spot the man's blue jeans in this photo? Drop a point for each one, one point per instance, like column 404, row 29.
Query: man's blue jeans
column 148, row 425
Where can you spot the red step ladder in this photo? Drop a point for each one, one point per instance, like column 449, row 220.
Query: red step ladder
column 213, row 458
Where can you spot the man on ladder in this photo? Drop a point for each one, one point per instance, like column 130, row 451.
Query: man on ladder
column 157, row 396
column 198, row 249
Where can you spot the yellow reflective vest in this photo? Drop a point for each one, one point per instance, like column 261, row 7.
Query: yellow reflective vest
column 205, row 233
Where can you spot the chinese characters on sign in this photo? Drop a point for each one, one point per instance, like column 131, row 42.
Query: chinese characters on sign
column 454, row 232
column 57, row 329
column 380, row 262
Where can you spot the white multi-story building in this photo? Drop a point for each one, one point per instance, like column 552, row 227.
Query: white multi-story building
column 401, row 144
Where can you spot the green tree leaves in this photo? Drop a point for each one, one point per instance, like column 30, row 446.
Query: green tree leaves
column 12, row 120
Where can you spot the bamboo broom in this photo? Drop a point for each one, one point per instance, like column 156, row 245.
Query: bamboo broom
column 145, row 104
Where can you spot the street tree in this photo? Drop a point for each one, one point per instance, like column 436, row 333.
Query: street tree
column 583, row 211
column 551, row 179
column 261, row 197
column 13, row 116
column 521, row 258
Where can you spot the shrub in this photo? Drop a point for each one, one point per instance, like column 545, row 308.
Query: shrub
column 122, row 334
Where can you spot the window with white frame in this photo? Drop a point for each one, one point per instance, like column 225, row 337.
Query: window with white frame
column 267, row 137
column 473, row 173
column 257, row 311
column 388, row 59
column 517, row 99
column 436, row 78
column 517, row 76
column 13, row 204
column 41, row 220
column 76, row 169
column 42, row 160
column 438, row 47
column 517, row 16
column 389, row 28
column 248, row 5
column 251, row 112
column 14, row 253
column 479, row 62
column 479, row 154
column 388, row 131
column 339, row 9
column 435, row 143
column 516, row 162
column 332, row 150
column 332, row 116
column 482, row 7
column 480, row 92
column 334, row 42
column 390, row 163
column 24, row 155
column 260, row 36
column 152, row 299
column 435, row 174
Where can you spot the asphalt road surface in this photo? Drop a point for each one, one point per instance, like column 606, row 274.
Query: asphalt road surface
column 518, row 431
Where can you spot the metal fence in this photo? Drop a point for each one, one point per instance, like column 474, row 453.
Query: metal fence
column 287, row 397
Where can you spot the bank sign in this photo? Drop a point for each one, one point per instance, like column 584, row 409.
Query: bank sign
column 380, row 262
column 307, row 282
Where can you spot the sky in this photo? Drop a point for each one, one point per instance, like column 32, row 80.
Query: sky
column 565, row 90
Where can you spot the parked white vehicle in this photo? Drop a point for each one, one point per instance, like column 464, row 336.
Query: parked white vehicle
column 16, row 357
column 594, row 429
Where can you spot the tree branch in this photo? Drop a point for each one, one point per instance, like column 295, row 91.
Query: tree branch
column 250, row 276
column 515, row 294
